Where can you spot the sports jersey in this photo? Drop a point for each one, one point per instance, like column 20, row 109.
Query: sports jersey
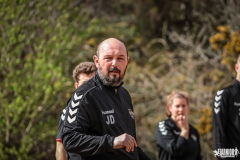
column 226, row 118
column 172, row 146
column 95, row 115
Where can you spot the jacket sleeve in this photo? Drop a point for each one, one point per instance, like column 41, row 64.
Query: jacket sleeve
column 78, row 124
column 219, row 119
column 60, row 126
column 142, row 155
column 166, row 139
column 199, row 157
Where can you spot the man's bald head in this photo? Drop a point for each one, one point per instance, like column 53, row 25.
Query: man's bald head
column 109, row 42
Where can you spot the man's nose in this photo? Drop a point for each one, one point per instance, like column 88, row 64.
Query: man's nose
column 114, row 62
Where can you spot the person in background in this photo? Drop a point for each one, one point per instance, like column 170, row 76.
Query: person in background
column 82, row 73
column 226, row 118
column 99, row 122
column 175, row 138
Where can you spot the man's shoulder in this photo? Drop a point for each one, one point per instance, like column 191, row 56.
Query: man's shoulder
column 228, row 88
column 124, row 90
column 166, row 127
column 165, row 123
column 85, row 88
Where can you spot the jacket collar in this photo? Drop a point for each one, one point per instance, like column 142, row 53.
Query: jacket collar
column 237, row 83
column 172, row 123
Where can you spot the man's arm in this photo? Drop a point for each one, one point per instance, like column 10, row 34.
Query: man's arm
column 142, row 155
column 219, row 119
column 60, row 154
column 78, row 124
column 78, row 136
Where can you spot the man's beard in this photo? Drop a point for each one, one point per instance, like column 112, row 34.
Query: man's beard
column 111, row 80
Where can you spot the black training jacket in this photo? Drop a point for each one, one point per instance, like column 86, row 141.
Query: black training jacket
column 172, row 146
column 72, row 156
column 95, row 115
column 226, row 118
column 60, row 125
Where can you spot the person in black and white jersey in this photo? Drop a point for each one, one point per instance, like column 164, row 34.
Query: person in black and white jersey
column 99, row 123
column 81, row 73
column 226, row 117
column 175, row 138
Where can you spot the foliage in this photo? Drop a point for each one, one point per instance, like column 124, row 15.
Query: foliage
column 204, row 126
column 149, row 88
column 228, row 41
column 36, row 48
column 204, row 122
column 42, row 41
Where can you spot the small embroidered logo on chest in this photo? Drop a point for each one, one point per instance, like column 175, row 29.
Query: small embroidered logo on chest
column 108, row 112
column 194, row 137
column 131, row 113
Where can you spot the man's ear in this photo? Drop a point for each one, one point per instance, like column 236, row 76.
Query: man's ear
column 76, row 85
column 236, row 67
column 95, row 59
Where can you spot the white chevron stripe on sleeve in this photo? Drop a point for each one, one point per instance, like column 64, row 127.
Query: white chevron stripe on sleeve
column 72, row 111
column 164, row 132
column 70, row 120
column 217, row 98
column 161, row 125
column 77, row 97
column 216, row 110
column 216, row 104
column 219, row 92
column 63, row 117
column 74, row 104
column 162, row 129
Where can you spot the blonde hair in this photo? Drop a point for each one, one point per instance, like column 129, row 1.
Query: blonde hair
column 175, row 94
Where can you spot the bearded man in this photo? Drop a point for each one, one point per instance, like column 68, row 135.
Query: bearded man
column 100, row 121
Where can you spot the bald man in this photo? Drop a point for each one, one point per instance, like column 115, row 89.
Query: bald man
column 226, row 118
column 99, row 122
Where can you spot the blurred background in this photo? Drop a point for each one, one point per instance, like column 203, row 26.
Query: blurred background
column 185, row 45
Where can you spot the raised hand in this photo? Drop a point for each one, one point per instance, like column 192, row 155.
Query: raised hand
column 183, row 124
